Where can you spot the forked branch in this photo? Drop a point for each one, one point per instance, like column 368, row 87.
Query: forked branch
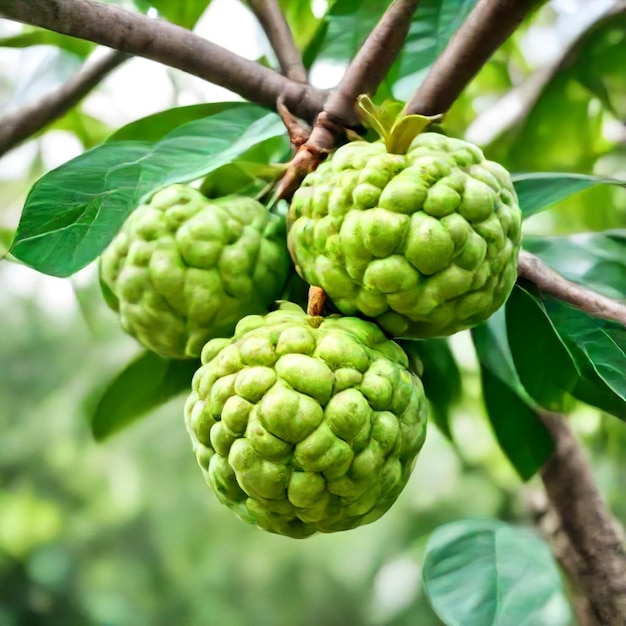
column 169, row 44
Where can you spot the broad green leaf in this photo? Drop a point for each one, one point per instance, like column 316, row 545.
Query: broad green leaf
column 88, row 129
column 441, row 377
column 512, row 414
column 480, row 572
column 599, row 349
column 516, row 425
column 185, row 13
column 539, row 191
column 595, row 260
column 32, row 36
column 155, row 127
column 73, row 212
column 544, row 364
column 145, row 384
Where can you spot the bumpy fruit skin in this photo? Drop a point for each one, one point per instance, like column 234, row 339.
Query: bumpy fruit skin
column 424, row 243
column 184, row 269
column 304, row 424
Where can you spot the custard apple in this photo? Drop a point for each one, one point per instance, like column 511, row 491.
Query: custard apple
column 184, row 269
column 304, row 424
column 424, row 243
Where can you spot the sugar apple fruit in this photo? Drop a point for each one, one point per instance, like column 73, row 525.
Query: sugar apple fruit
column 425, row 243
column 184, row 269
column 304, row 424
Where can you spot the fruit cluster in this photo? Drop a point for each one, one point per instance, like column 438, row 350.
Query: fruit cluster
column 303, row 423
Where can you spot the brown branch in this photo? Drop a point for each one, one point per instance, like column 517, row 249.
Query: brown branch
column 169, row 44
column 547, row 280
column 25, row 121
column 546, row 519
column 366, row 71
column 487, row 27
column 273, row 21
column 598, row 559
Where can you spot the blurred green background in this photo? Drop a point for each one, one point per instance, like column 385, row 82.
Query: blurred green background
column 125, row 532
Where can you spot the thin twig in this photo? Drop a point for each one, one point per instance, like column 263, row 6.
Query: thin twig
column 169, row 44
column 547, row 280
column 273, row 21
column 599, row 564
column 364, row 74
column 26, row 120
column 487, row 27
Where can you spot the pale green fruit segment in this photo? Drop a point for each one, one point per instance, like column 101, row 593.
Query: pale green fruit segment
column 184, row 269
column 425, row 243
column 315, row 430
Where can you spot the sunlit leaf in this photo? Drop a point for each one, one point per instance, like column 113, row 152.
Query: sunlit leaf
column 32, row 36
column 185, row 13
column 145, row 384
column 483, row 571
column 539, row 191
column 73, row 212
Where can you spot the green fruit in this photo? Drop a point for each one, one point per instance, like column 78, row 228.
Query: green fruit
column 425, row 243
column 184, row 269
column 304, row 424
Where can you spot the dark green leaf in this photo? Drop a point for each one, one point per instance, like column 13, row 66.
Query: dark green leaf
column 516, row 425
column 539, row 191
column 595, row 260
column 73, row 212
column 599, row 350
column 513, row 416
column 544, row 364
column 441, row 377
column 145, row 384
column 483, row 571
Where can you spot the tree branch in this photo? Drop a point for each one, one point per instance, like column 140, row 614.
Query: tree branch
column 273, row 21
column 598, row 560
column 169, row 44
column 366, row 71
column 547, row 280
column 487, row 27
column 25, row 121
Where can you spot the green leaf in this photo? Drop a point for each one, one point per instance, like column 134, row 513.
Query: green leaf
column 441, row 377
column 598, row 348
column 483, row 571
column 155, row 127
column 73, row 212
column 595, row 260
column 185, row 13
column 145, row 384
column 512, row 414
column 543, row 362
column 301, row 20
column 539, row 191
column 32, row 36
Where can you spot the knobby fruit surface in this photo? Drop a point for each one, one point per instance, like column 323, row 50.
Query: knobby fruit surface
column 425, row 243
column 184, row 269
column 306, row 424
